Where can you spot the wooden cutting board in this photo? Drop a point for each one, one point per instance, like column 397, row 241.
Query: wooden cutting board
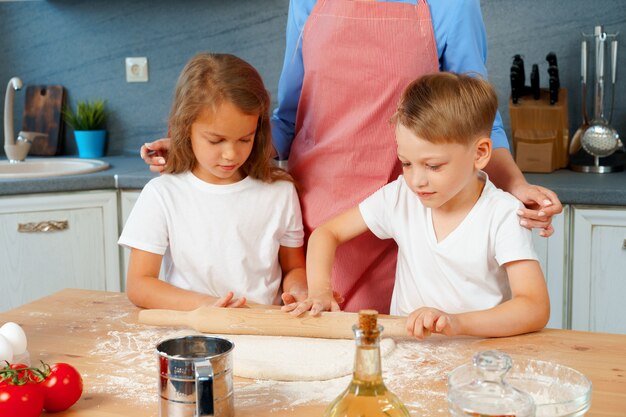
column 42, row 113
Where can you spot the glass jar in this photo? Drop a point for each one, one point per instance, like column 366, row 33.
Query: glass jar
column 479, row 389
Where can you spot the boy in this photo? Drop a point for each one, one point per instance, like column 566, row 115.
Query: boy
column 465, row 264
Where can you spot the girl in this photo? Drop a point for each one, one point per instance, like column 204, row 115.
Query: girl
column 225, row 222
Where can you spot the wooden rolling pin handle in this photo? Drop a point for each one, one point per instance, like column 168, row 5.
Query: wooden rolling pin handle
column 156, row 317
column 393, row 326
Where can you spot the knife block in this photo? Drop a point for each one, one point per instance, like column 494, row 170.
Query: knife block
column 540, row 132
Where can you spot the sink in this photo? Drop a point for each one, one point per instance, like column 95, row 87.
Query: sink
column 53, row 167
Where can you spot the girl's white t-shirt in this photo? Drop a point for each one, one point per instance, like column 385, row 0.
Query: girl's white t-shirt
column 217, row 238
column 463, row 272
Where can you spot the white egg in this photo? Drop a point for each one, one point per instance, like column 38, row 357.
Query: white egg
column 15, row 335
column 6, row 350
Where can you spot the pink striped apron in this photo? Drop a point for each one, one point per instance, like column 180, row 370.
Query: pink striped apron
column 358, row 56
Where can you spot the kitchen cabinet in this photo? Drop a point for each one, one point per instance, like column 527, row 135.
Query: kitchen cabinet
column 598, row 248
column 128, row 198
column 127, row 201
column 553, row 257
column 54, row 241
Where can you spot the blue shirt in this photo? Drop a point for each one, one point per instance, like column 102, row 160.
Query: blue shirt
column 461, row 47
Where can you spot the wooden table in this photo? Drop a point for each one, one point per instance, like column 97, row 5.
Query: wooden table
column 98, row 333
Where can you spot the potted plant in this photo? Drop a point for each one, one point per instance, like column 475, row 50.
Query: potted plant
column 88, row 124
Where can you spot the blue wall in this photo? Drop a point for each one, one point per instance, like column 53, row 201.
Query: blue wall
column 82, row 45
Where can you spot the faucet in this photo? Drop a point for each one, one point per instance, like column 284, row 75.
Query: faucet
column 16, row 149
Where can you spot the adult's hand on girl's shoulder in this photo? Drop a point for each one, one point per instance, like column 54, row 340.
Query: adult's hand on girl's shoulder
column 155, row 154
column 229, row 301
column 541, row 204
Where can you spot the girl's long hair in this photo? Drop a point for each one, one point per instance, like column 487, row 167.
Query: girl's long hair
column 206, row 82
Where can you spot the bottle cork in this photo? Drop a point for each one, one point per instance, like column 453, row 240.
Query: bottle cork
column 368, row 324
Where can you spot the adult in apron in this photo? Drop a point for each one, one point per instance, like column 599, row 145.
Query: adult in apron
column 358, row 57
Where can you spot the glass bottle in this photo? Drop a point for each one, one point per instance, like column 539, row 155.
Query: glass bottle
column 367, row 395
column 479, row 389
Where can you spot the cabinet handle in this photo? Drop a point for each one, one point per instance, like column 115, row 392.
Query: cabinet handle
column 624, row 245
column 43, row 227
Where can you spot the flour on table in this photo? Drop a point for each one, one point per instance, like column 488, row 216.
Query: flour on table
column 295, row 358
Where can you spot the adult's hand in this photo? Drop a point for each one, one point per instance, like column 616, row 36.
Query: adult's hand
column 541, row 204
column 155, row 154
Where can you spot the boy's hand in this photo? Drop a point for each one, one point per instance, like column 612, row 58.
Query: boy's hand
column 316, row 303
column 293, row 296
column 154, row 154
column 228, row 301
column 426, row 320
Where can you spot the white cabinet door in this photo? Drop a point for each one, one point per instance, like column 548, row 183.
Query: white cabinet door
column 552, row 253
column 127, row 202
column 599, row 270
column 53, row 241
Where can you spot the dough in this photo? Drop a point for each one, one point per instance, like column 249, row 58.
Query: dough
column 295, row 358
column 282, row 358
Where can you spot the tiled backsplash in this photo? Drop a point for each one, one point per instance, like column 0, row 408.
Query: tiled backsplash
column 83, row 44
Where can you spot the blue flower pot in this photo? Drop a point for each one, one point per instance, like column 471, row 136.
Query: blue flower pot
column 90, row 143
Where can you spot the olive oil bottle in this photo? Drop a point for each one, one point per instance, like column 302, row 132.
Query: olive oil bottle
column 367, row 395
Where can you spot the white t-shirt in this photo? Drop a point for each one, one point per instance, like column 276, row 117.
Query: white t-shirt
column 217, row 238
column 463, row 272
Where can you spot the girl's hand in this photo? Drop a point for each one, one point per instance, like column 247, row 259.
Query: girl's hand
column 155, row 153
column 316, row 303
column 228, row 301
column 541, row 204
column 426, row 320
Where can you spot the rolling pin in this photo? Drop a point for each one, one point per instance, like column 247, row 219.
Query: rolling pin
column 268, row 322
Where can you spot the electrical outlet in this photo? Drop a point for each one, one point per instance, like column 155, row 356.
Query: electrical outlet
column 136, row 70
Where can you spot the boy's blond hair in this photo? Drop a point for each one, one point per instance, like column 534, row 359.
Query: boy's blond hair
column 445, row 107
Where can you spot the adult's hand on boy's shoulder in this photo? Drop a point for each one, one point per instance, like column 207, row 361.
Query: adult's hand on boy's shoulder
column 426, row 320
column 540, row 205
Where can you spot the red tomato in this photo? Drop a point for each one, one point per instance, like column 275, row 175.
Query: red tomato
column 18, row 378
column 32, row 377
column 21, row 400
column 61, row 388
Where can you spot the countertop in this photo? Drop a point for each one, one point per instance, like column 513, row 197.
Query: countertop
column 130, row 172
column 98, row 333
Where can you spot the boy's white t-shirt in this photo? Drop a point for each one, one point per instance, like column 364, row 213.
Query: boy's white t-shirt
column 217, row 238
column 464, row 272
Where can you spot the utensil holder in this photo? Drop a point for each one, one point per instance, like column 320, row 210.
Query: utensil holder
column 540, row 132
